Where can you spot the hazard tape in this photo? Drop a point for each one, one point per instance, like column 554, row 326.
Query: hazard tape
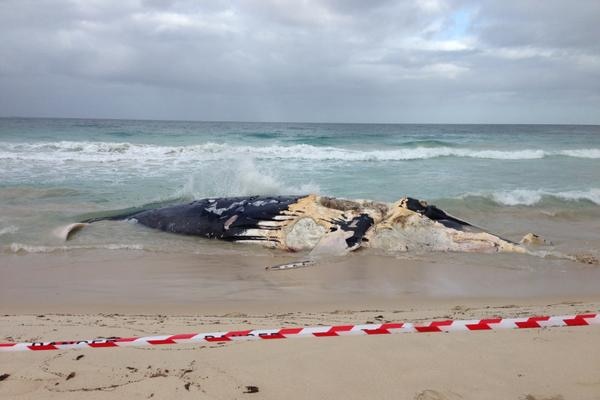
column 314, row 332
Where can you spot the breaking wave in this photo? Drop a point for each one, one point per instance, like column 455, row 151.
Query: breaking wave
column 241, row 178
column 65, row 151
column 525, row 197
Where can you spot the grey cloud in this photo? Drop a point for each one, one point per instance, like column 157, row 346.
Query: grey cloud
column 334, row 60
column 552, row 23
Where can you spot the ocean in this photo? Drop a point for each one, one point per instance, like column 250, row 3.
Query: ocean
column 54, row 171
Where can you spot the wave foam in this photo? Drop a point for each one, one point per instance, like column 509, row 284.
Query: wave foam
column 241, row 178
column 66, row 151
column 526, row 197
column 582, row 153
column 26, row 248
column 9, row 230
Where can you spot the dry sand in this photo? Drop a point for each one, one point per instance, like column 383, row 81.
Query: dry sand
column 536, row 364
column 77, row 295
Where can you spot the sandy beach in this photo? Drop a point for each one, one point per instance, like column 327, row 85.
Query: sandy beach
column 545, row 364
column 128, row 293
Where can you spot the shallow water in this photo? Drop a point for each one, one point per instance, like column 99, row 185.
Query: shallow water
column 508, row 178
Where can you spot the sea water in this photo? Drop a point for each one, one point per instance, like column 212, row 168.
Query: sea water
column 53, row 171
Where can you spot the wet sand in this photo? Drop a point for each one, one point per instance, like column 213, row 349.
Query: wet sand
column 143, row 281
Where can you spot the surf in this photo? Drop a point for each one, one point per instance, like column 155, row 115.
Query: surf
column 212, row 151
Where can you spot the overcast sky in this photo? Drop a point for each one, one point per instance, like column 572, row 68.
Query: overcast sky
column 439, row 61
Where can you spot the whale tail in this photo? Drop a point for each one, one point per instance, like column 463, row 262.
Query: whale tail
column 67, row 232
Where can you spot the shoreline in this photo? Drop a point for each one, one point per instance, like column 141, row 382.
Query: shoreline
column 136, row 282
column 401, row 305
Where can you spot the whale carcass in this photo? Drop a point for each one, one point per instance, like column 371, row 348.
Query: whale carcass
column 320, row 224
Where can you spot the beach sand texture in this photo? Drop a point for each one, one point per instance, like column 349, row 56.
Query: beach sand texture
column 123, row 293
column 560, row 363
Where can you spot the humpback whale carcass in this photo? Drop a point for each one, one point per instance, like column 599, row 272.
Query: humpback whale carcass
column 323, row 225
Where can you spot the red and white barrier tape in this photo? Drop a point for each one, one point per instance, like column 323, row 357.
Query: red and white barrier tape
column 315, row 331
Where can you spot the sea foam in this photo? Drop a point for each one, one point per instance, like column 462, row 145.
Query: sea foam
column 8, row 230
column 28, row 248
column 65, row 151
column 526, row 197
column 241, row 178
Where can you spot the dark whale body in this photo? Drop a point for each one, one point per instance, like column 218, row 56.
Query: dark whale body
column 232, row 218
column 221, row 218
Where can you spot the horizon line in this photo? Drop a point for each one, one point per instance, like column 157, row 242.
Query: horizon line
column 299, row 122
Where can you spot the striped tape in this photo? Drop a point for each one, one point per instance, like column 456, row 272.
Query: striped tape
column 314, row 332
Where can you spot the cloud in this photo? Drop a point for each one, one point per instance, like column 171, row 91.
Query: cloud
column 330, row 60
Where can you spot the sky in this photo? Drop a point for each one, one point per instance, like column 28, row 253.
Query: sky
column 403, row 61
